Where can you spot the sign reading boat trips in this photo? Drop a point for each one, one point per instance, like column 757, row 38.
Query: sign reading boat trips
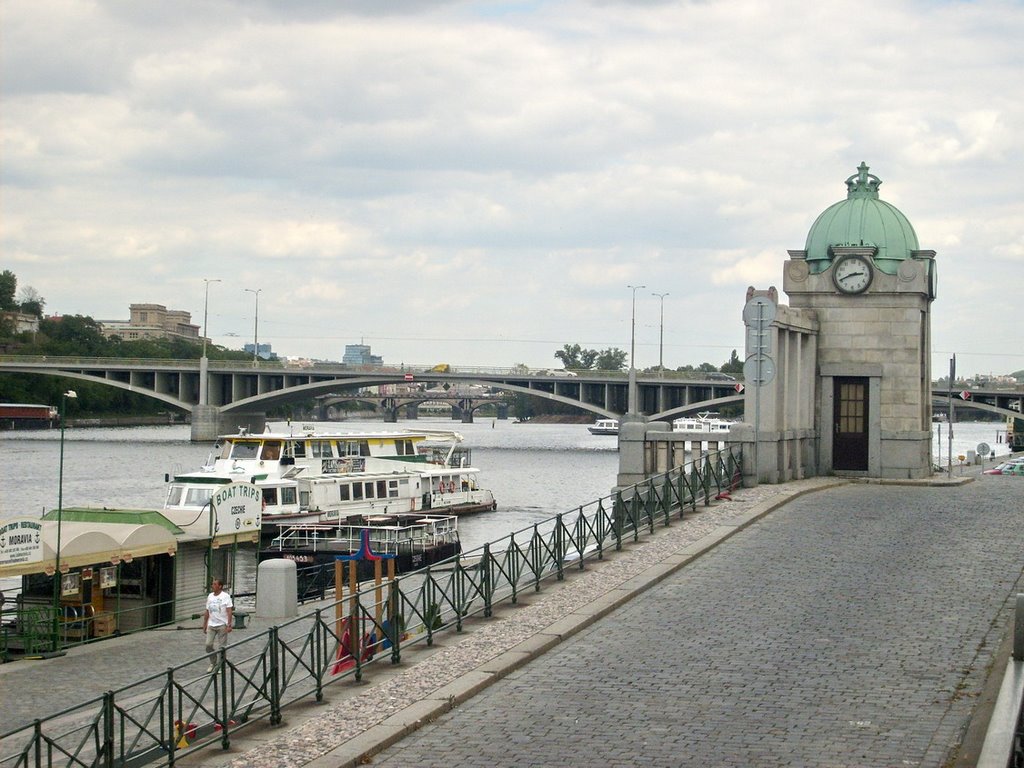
column 21, row 541
column 237, row 508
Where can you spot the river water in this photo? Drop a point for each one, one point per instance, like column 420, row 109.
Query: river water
column 534, row 470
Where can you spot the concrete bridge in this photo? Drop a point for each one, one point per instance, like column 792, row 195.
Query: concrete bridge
column 223, row 394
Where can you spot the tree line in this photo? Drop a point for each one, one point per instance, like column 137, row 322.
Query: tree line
column 82, row 336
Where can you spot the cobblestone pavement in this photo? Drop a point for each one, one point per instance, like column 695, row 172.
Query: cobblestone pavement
column 822, row 649
column 851, row 627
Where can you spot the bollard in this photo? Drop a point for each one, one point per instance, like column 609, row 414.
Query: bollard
column 1018, row 630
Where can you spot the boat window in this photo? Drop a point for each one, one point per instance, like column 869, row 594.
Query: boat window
column 198, row 497
column 392, row 489
column 357, row 491
column 174, row 496
column 298, row 448
column 244, row 450
column 288, row 495
column 346, row 491
column 270, row 497
column 382, row 489
column 271, row 450
column 304, row 500
column 223, row 450
column 320, row 449
column 368, row 489
column 355, row 448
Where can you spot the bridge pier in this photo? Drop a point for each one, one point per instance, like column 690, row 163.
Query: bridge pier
column 412, row 411
column 502, row 409
column 208, row 422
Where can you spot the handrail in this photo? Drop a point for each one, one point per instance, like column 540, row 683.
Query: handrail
column 165, row 716
column 1004, row 739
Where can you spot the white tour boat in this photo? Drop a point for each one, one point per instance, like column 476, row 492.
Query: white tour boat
column 705, row 422
column 308, row 475
column 604, row 427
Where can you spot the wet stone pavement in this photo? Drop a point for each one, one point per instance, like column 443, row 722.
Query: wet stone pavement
column 851, row 627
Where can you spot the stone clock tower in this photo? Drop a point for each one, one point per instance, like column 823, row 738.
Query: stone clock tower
column 869, row 287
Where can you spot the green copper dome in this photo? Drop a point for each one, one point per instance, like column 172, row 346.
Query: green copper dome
column 861, row 219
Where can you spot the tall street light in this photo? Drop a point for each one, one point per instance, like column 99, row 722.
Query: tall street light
column 60, row 510
column 661, row 333
column 632, row 332
column 256, row 326
column 206, row 307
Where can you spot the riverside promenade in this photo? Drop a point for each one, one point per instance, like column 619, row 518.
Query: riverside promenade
column 852, row 625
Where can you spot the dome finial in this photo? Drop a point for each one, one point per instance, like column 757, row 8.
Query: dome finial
column 866, row 184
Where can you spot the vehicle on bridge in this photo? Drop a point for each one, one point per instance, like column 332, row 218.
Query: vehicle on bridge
column 311, row 476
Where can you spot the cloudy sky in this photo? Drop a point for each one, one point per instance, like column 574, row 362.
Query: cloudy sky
column 480, row 182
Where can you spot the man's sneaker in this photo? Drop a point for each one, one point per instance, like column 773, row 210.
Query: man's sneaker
column 209, row 669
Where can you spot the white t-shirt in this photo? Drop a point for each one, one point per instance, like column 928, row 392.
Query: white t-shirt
column 218, row 606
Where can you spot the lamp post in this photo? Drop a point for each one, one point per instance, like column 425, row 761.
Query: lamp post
column 256, row 326
column 632, row 331
column 206, row 307
column 661, row 333
column 60, row 510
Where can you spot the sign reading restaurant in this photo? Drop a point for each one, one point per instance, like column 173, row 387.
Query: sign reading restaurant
column 21, row 541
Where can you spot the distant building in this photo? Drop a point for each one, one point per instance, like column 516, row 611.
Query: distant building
column 264, row 351
column 359, row 354
column 153, row 321
column 21, row 322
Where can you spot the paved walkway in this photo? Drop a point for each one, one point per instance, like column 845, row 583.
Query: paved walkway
column 852, row 626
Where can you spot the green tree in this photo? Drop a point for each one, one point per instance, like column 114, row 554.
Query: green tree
column 611, row 359
column 30, row 302
column 8, row 287
column 734, row 367
column 72, row 335
column 576, row 358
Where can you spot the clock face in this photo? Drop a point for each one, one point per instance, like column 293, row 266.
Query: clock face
column 852, row 274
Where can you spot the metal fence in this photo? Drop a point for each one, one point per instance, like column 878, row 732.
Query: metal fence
column 159, row 719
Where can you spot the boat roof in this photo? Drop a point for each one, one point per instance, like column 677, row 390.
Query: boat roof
column 303, row 433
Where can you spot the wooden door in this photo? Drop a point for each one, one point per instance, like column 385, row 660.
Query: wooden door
column 850, row 420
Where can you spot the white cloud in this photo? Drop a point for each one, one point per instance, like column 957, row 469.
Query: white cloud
column 493, row 180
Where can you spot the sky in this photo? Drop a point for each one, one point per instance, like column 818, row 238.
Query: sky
column 481, row 183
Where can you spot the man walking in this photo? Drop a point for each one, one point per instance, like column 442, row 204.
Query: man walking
column 217, row 621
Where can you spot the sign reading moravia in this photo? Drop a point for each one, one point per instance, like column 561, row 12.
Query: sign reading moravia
column 21, row 541
column 237, row 508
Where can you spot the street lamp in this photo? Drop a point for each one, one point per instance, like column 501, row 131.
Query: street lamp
column 632, row 332
column 255, row 326
column 206, row 307
column 661, row 333
column 60, row 509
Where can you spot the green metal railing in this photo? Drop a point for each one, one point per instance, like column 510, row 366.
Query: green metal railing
column 159, row 719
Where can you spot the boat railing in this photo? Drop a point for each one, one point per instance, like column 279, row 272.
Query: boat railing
column 165, row 718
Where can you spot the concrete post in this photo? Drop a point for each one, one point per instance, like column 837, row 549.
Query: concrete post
column 278, row 593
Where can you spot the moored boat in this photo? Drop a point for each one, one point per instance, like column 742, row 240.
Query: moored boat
column 604, row 427
column 412, row 540
column 310, row 476
column 705, row 421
